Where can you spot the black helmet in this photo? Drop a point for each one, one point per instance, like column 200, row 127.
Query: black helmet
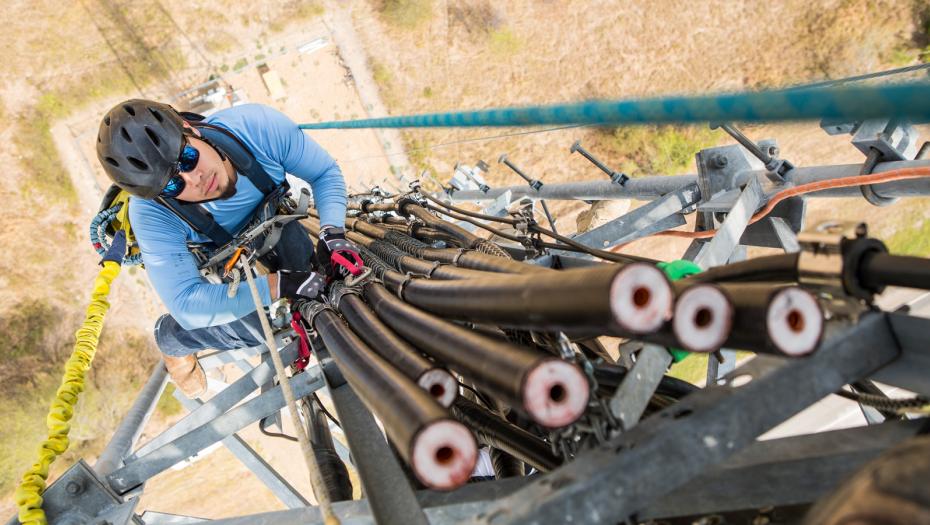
column 139, row 144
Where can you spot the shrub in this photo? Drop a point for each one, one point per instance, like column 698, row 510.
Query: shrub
column 407, row 14
column 504, row 42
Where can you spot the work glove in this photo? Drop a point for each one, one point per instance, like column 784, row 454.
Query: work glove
column 300, row 285
column 117, row 250
column 338, row 257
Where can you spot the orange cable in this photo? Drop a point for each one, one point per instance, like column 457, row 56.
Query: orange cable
column 810, row 187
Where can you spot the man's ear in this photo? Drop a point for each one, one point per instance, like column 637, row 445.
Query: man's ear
column 194, row 130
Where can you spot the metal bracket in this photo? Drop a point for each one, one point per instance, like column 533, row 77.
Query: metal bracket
column 720, row 248
column 629, row 401
column 80, row 496
column 820, row 264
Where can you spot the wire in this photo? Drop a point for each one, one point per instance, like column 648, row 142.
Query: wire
column 261, row 428
column 810, row 187
column 465, row 141
column 469, row 220
column 505, row 220
column 916, row 404
column 603, row 254
column 858, row 78
column 326, row 412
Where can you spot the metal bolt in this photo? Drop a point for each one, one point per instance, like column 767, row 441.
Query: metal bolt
column 617, row 177
column 74, row 488
column 720, row 161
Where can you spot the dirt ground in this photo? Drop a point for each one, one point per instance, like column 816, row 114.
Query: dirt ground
column 464, row 54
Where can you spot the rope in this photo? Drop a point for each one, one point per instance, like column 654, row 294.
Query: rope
column 28, row 495
column 317, row 484
column 844, row 103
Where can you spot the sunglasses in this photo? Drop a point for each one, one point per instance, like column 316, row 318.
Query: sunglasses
column 187, row 161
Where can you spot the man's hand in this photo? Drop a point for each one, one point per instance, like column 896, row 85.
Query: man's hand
column 337, row 256
column 298, row 285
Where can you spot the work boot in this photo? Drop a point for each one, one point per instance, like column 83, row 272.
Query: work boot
column 187, row 375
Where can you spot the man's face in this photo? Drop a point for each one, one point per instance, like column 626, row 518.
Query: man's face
column 211, row 179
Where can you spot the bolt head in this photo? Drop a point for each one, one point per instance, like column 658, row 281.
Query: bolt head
column 502, row 158
column 74, row 488
column 720, row 161
column 575, row 146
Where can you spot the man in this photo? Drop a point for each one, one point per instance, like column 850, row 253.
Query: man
column 202, row 181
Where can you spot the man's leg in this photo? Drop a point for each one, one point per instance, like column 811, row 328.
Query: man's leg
column 179, row 347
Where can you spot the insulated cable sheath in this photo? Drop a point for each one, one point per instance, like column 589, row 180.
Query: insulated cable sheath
column 493, row 431
column 381, row 339
column 882, row 269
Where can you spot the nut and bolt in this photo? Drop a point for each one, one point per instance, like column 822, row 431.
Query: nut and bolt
column 720, row 161
column 74, row 488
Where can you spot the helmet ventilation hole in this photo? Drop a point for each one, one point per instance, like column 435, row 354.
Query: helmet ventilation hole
column 155, row 113
column 138, row 164
column 125, row 134
column 112, row 162
column 152, row 136
column 129, row 109
column 106, row 120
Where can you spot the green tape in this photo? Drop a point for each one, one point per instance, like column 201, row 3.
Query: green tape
column 675, row 270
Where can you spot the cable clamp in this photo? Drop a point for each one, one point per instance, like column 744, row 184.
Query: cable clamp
column 408, row 277
column 340, row 289
column 310, row 309
column 436, row 264
column 458, row 256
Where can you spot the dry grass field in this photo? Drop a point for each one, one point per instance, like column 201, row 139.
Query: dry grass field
column 64, row 60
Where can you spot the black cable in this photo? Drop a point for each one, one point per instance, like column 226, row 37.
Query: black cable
column 882, row 402
column 607, row 256
column 570, row 245
column 478, row 395
column 326, row 412
column 261, row 428
column 469, row 220
column 476, row 215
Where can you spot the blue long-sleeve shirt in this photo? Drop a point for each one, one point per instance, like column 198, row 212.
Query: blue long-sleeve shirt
column 280, row 147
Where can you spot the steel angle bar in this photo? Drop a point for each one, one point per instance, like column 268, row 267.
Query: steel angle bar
column 910, row 370
column 622, row 477
column 224, row 357
column 629, row 401
column 786, row 236
column 794, row 470
column 220, row 403
column 185, row 446
column 726, row 240
column 789, row 471
column 132, row 424
column 661, row 214
column 254, row 462
column 391, row 498
column 150, row 517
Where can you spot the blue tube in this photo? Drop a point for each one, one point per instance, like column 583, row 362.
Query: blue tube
column 845, row 103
